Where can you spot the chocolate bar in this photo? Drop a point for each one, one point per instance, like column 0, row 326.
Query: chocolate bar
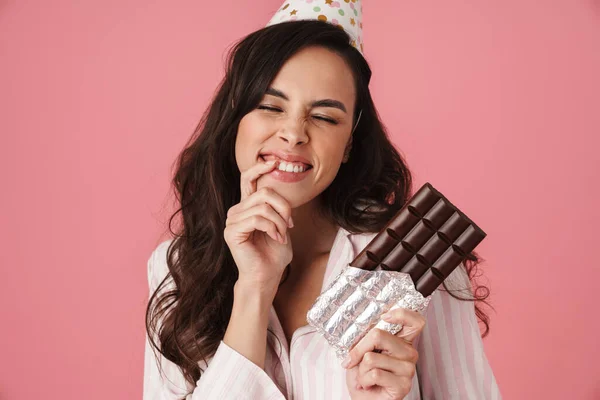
column 427, row 239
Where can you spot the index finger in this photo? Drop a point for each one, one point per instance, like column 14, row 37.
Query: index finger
column 248, row 177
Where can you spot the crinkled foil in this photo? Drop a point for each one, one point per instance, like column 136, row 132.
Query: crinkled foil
column 353, row 303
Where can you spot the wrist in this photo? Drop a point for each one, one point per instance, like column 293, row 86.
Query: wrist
column 249, row 289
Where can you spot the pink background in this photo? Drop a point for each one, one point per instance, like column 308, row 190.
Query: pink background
column 495, row 104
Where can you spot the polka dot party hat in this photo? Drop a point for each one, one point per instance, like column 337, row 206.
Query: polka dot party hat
column 346, row 14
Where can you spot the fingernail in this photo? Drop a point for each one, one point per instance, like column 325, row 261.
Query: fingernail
column 291, row 222
column 279, row 238
column 271, row 162
column 346, row 362
column 386, row 317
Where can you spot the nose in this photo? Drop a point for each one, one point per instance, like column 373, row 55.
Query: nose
column 293, row 132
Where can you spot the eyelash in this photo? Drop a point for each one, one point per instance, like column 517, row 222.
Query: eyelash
column 329, row 120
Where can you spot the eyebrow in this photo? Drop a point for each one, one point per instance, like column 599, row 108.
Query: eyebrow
column 319, row 103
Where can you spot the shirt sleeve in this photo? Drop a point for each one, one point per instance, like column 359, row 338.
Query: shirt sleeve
column 452, row 363
column 227, row 375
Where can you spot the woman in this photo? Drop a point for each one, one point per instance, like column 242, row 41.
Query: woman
column 288, row 176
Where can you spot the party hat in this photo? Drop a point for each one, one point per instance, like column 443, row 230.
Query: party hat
column 347, row 14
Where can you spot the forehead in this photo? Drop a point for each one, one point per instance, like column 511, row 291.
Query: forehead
column 315, row 73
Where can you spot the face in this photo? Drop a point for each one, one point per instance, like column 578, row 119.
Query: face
column 306, row 117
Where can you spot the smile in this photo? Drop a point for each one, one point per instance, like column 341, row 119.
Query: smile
column 288, row 172
column 286, row 166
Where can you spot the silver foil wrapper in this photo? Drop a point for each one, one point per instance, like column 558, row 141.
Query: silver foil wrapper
column 353, row 303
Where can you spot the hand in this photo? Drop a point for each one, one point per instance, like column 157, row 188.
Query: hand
column 256, row 230
column 386, row 375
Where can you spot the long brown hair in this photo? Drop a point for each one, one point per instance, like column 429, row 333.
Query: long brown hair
column 190, row 319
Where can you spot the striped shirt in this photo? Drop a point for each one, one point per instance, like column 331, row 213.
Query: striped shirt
column 451, row 365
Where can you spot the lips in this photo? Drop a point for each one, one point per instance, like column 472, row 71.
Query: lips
column 306, row 167
column 288, row 158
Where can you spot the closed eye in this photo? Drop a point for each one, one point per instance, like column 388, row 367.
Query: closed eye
column 317, row 117
column 261, row 107
column 331, row 121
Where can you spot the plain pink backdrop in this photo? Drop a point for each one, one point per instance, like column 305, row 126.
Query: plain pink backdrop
column 497, row 104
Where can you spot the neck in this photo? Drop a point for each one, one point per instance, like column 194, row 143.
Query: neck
column 312, row 234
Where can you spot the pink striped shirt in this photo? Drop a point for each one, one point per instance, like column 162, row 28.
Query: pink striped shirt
column 452, row 363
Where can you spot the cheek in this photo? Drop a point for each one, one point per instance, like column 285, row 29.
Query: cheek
column 250, row 135
column 330, row 154
column 330, row 160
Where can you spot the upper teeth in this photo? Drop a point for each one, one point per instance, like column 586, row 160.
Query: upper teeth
column 287, row 166
column 290, row 167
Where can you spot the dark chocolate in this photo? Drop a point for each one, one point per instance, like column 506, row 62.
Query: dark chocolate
column 427, row 239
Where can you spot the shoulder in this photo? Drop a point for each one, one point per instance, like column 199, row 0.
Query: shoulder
column 448, row 306
column 458, row 280
column 157, row 266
